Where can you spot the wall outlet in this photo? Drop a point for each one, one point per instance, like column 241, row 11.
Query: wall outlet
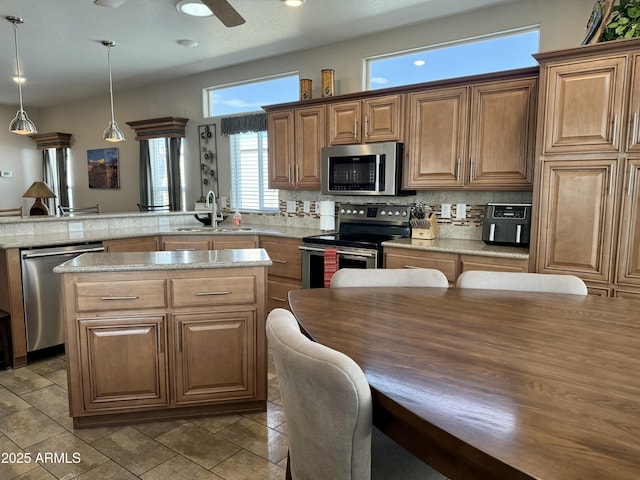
column 6, row 173
column 461, row 211
column 291, row 206
column 75, row 227
column 445, row 210
column 307, row 206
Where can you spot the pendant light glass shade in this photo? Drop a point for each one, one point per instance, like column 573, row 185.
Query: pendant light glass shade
column 112, row 133
column 21, row 124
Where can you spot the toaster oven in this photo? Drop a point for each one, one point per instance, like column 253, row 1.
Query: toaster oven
column 507, row 224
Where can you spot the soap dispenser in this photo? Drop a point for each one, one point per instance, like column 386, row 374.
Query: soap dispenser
column 237, row 219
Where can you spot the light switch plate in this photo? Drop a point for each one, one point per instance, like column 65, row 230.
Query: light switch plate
column 307, row 206
column 461, row 211
column 75, row 227
column 291, row 206
column 445, row 210
column 6, row 173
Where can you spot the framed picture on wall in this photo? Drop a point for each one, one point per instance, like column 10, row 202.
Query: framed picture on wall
column 102, row 165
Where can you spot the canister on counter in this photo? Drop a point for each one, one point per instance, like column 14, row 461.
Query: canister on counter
column 327, row 83
column 305, row 88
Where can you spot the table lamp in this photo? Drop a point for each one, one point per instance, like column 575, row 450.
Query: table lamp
column 39, row 190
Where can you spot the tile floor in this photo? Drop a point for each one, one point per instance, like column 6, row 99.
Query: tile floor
column 34, row 424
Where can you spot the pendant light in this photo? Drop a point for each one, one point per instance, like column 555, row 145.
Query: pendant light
column 21, row 123
column 112, row 133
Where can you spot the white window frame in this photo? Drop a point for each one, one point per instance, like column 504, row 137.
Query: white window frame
column 440, row 46
column 262, row 172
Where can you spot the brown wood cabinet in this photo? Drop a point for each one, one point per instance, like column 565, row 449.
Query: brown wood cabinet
column 285, row 273
column 208, row 242
column 584, row 105
column 375, row 119
column 451, row 264
column 587, row 182
column 476, row 136
column 628, row 267
column 164, row 344
column 447, row 263
column 138, row 244
column 295, row 139
column 495, row 264
column 578, row 205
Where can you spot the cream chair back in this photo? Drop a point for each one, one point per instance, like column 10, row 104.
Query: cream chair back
column 389, row 277
column 328, row 410
column 531, row 282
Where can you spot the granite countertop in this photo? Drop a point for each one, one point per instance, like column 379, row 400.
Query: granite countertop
column 146, row 261
column 460, row 246
column 65, row 237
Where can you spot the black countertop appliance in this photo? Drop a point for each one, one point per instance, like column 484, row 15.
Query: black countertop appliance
column 507, row 224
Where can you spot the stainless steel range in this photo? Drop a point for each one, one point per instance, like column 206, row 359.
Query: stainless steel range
column 361, row 230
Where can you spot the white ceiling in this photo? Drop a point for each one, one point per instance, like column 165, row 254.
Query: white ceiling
column 62, row 58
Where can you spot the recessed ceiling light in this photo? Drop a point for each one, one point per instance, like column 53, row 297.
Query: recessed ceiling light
column 187, row 43
column 293, row 3
column 194, row 8
column 419, row 63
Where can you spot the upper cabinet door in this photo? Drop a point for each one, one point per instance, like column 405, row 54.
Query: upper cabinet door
column 281, row 138
column 437, row 138
column 382, row 119
column 344, row 123
column 309, row 139
column 633, row 130
column 501, row 145
column 583, row 111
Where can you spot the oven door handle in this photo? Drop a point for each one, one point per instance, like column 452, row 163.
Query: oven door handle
column 340, row 252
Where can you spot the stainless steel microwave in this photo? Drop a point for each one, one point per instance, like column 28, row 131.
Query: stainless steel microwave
column 367, row 169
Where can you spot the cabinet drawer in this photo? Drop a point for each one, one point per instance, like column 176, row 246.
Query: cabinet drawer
column 286, row 258
column 278, row 292
column 195, row 292
column 494, row 264
column 445, row 262
column 124, row 295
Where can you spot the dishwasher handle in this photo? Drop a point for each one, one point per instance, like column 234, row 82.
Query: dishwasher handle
column 62, row 252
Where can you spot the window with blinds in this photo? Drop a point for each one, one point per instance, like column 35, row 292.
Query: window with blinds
column 250, row 173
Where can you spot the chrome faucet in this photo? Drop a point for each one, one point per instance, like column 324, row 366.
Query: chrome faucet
column 214, row 213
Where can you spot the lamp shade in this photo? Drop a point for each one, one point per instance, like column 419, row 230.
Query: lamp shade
column 113, row 133
column 39, row 190
column 22, row 125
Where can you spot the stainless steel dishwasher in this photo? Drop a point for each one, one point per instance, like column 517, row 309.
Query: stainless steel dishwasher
column 41, row 292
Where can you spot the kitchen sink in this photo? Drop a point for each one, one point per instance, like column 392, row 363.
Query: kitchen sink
column 188, row 229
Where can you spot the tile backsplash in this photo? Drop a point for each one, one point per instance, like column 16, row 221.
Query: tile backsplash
column 292, row 208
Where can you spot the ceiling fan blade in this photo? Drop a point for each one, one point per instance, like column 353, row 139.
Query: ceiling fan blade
column 109, row 3
column 225, row 12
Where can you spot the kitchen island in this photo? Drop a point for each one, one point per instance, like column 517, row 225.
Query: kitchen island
column 163, row 335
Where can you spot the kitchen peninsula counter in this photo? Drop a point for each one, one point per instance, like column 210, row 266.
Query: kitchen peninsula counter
column 153, row 336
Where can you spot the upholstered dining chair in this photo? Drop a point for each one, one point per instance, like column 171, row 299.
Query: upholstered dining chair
column 327, row 409
column 66, row 211
column 11, row 212
column 389, row 277
column 531, row 282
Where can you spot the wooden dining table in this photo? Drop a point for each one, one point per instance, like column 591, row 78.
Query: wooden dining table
column 487, row 384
